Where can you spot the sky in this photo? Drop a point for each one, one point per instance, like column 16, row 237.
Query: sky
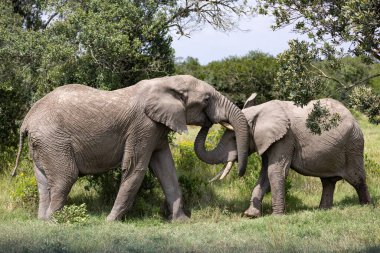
column 209, row 45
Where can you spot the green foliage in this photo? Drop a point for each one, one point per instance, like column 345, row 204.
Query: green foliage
column 107, row 45
column 190, row 66
column 71, row 214
column 24, row 191
column 293, row 81
column 236, row 77
column 193, row 175
column 328, row 24
column 104, row 44
column 372, row 168
column 245, row 184
column 171, row 137
column 216, row 224
column 332, row 22
column 106, row 185
column 364, row 100
column 320, row 119
column 302, row 77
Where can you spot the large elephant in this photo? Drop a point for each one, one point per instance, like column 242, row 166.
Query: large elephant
column 279, row 134
column 77, row 130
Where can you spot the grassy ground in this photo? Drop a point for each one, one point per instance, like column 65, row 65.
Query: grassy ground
column 215, row 224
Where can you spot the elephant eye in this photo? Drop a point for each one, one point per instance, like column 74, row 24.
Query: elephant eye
column 207, row 99
column 182, row 96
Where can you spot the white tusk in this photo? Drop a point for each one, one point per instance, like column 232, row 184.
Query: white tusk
column 223, row 172
column 227, row 125
column 226, row 170
column 217, row 176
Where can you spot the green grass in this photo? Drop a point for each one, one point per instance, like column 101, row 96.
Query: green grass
column 215, row 224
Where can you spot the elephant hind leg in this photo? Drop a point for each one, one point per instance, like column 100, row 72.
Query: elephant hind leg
column 58, row 194
column 355, row 176
column 361, row 188
column 61, row 173
column 43, row 192
column 328, row 185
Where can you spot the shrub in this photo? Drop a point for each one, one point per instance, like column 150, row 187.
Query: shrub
column 71, row 214
column 193, row 174
column 248, row 181
column 24, row 191
column 371, row 166
column 106, row 185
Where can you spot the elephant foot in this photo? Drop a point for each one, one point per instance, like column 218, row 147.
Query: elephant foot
column 325, row 207
column 252, row 212
column 112, row 217
column 44, row 218
column 179, row 217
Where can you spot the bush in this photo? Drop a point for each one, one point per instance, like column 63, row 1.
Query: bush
column 24, row 191
column 371, row 166
column 193, row 174
column 106, row 185
column 71, row 214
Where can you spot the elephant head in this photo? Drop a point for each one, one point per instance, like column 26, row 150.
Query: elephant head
column 182, row 100
column 268, row 123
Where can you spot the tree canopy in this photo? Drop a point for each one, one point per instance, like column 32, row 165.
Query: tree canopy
column 356, row 22
column 113, row 44
column 336, row 29
column 104, row 44
column 237, row 77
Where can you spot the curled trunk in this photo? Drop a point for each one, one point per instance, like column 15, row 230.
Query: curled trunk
column 215, row 156
column 221, row 153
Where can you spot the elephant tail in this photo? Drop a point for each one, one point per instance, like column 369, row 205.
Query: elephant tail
column 23, row 133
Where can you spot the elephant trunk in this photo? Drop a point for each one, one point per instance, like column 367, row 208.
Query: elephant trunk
column 234, row 116
column 215, row 156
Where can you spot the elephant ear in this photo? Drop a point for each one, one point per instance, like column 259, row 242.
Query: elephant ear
column 269, row 124
column 166, row 107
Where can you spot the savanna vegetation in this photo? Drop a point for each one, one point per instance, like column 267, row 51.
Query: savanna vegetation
column 113, row 44
column 216, row 224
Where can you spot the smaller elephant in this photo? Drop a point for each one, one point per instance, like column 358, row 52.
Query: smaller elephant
column 279, row 134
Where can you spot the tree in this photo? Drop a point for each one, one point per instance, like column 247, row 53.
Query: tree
column 237, row 77
column 353, row 21
column 105, row 44
column 188, row 15
column 329, row 24
column 102, row 44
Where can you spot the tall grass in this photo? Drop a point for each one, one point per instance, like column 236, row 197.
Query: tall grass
column 216, row 224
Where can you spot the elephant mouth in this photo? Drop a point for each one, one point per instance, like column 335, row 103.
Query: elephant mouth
column 207, row 121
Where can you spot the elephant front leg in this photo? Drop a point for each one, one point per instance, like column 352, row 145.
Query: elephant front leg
column 127, row 192
column 133, row 172
column 163, row 166
column 278, row 167
column 262, row 187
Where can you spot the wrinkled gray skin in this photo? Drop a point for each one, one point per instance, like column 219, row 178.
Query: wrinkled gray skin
column 77, row 130
column 279, row 135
